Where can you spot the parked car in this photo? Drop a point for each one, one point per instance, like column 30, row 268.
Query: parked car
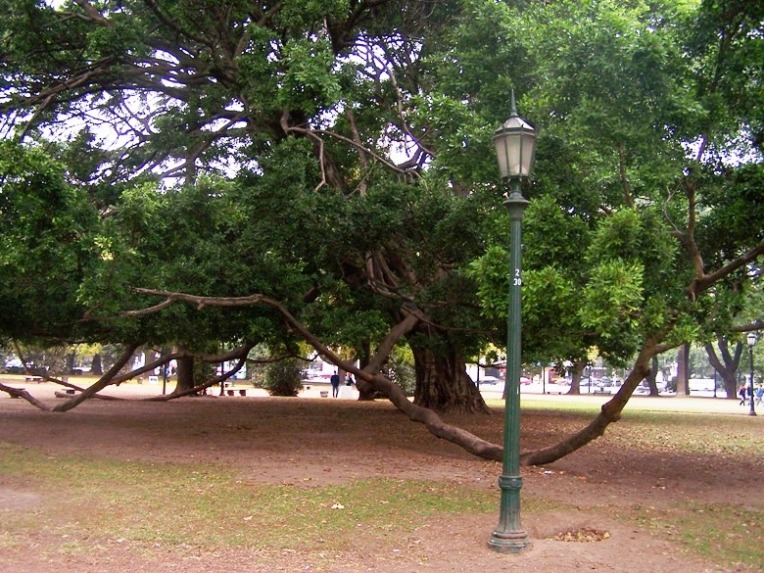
column 587, row 385
column 555, row 387
column 643, row 388
column 607, row 386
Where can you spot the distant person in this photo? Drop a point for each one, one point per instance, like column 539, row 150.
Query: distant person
column 760, row 394
column 349, row 380
column 741, row 393
column 335, row 380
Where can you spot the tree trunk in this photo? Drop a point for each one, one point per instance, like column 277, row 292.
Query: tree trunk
column 579, row 366
column 727, row 365
column 682, row 374
column 185, row 374
column 70, row 363
column 366, row 392
column 442, row 383
column 96, row 367
column 652, row 376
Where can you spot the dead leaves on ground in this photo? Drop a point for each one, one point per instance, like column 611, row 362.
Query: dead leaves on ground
column 583, row 535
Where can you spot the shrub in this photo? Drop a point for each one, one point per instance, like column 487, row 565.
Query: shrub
column 403, row 375
column 283, row 378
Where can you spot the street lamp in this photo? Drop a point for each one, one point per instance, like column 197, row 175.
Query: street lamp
column 751, row 343
column 515, row 143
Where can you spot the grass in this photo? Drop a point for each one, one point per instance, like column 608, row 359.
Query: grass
column 722, row 533
column 113, row 500
column 164, row 506
column 689, row 432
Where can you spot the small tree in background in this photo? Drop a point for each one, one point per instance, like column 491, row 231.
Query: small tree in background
column 283, row 378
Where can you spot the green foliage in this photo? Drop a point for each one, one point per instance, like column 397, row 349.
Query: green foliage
column 46, row 229
column 282, row 378
column 400, row 368
column 308, row 82
column 611, row 304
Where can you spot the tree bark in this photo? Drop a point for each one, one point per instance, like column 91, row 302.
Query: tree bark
column 682, row 374
column 366, row 393
column 579, row 366
column 727, row 365
column 185, row 374
column 442, row 383
column 96, row 367
column 651, row 377
column 610, row 412
column 70, row 363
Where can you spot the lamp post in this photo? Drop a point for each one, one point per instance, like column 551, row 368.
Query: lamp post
column 515, row 143
column 751, row 343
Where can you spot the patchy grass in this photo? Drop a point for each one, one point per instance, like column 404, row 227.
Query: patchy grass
column 153, row 507
column 207, row 506
column 665, row 430
column 725, row 534
column 691, row 433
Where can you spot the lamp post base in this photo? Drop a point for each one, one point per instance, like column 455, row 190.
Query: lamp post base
column 509, row 542
column 509, row 535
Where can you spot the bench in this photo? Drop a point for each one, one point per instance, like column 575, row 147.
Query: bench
column 65, row 393
column 36, row 379
column 232, row 392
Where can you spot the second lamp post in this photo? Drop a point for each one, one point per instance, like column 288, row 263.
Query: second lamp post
column 515, row 143
column 752, row 391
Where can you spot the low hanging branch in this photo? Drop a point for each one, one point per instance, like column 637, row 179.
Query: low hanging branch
column 610, row 412
column 369, row 375
column 240, row 353
column 22, row 393
column 109, row 378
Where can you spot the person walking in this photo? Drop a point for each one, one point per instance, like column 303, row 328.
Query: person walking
column 335, row 380
column 741, row 393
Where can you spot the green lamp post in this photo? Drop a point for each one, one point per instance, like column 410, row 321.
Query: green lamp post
column 515, row 143
column 751, row 343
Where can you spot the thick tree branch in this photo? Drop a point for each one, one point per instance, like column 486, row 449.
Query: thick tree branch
column 240, row 353
column 22, row 393
column 609, row 413
column 703, row 282
column 93, row 14
column 433, row 422
column 110, row 377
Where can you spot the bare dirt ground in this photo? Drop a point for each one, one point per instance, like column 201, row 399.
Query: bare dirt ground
column 310, row 442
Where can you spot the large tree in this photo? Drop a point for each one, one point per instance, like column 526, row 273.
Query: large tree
column 305, row 102
column 646, row 114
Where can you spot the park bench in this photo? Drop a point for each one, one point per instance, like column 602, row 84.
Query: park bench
column 65, row 393
column 36, row 379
